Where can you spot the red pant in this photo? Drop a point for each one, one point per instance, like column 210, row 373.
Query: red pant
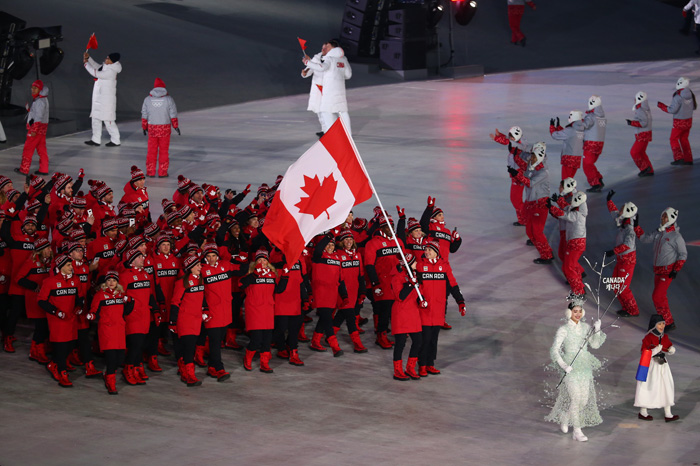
column 516, row 198
column 515, row 15
column 639, row 151
column 625, row 266
column 572, row 269
column 591, row 152
column 561, row 250
column 679, row 140
column 660, row 298
column 569, row 165
column 536, row 218
column 156, row 144
column 33, row 143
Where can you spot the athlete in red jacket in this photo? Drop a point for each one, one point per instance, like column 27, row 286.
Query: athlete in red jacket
column 406, row 320
column 351, row 270
column 288, row 318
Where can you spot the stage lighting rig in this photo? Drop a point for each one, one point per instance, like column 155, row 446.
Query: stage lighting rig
column 464, row 11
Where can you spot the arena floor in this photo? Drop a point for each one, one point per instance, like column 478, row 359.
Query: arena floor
column 487, row 407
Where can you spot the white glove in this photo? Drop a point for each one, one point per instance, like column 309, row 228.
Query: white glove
column 656, row 350
column 377, row 291
column 568, row 369
column 671, row 350
column 596, row 325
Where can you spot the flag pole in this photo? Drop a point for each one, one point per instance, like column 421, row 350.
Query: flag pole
column 381, row 206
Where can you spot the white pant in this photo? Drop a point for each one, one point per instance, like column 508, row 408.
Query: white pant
column 111, row 129
column 328, row 118
column 3, row 138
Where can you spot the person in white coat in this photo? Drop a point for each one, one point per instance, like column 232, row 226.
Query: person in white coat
column 336, row 70
column 316, row 85
column 695, row 6
column 104, row 98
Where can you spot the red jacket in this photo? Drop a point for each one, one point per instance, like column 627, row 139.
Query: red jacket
column 405, row 313
column 102, row 247
column 187, row 305
column 5, row 267
column 21, row 249
column 381, row 257
column 288, row 302
column 139, row 287
column 82, row 273
column 326, row 283
column 167, row 269
column 136, row 196
column 217, row 291
column 351, row 274
column 651, row 341
column 35, row 272
column 436, row 280
column 59, row 293
column 110, row 308
column 259, row 299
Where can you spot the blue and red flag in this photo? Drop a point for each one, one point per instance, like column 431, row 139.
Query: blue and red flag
column 643, row 369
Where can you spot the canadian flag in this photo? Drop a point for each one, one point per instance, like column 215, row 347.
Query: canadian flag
column 317, row 192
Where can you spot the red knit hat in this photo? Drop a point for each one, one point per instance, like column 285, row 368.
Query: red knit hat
column 136, row 241
column 433, row 244
column 383, row 221
column 61, row 261
column 62, row 182
column 183, row 183
column 79, row 202
column 359, row 223
column 264, row 188
column 33, row 205
column 113, row 274
column 210, row 248
column 38, row 83
column 410, row 259
column 167, row 204
column 120, row 246
column 77, row 234
column 41, row 243
column 108, row 224
column 65, row 226
column 343, row 235
column 36, row 182
column 262, row 253
column 184, row 212
column 162, row 238
column 170, row 217
column 158, row 83
column 136, row 174
column 151, row 230
column 132, row 254
column 436, row 211
column 413, row 224
column 194, row 188
column 4, row 181
column 189, row 262
column 72, row 246
column 29, row 219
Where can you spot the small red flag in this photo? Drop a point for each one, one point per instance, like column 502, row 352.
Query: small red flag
column 302, row 43
column 92, row 43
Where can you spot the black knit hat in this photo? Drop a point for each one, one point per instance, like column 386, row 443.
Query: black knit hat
column 114, row 56
column 653, row 320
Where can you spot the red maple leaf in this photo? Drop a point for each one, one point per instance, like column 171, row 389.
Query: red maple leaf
column 321, row 196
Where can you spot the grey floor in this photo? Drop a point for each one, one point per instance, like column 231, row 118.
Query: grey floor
column 417, row 139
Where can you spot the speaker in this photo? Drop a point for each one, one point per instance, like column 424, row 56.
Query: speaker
column 397, row 54
column 356, row 17
column 408, row 22
column 363, row 26
column 362, row 5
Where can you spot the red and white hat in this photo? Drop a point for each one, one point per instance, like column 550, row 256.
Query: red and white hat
column 136, row 174
column 189, row 262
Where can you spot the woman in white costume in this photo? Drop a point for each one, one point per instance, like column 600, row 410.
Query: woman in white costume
column 576, row 403
column 658, row 390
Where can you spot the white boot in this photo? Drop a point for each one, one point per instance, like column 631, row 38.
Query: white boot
column 564, row 428
column 578, row 435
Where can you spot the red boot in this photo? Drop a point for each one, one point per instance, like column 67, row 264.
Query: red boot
column 63, row 380
column 357, row 324
column 130, row 377
column 302, row 334
column 69, row 366
column 333, row 342
column 53, row 370
column 220, row 376
column 180, row 367
column 316, row 343
column 432, row 370
column 153, row 365
column 192, row 380
column 294, row 358
column 111, row 384
column 423, row 371
column 265, row 362
column 357, row 343
column 283, row 354
column 398, row 371
column 7, row 344
column 335, row 330
column 36, row 353
column 199, row 356
column 248, row 360
column 231, row 339
column 90, row 371
column 382, row 341
column 140, row 373
column 446, row 326
column 411, row 368
column 74, row 358
column 162, row 350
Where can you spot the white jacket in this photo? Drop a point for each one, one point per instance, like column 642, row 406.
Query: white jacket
column 316, row 81
column 336, row 69
column 696, row 5
column 104, row 91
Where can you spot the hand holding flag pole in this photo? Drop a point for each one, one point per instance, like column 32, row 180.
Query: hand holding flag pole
column 302, row 44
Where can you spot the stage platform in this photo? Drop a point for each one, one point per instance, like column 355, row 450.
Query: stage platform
column 417, row 139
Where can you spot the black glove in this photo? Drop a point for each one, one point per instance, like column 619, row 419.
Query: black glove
column 31, row 122
column 551, row 122
column 178, row 131
column 549, row 202
column 145, row 132
column 629, row 122
column 558, row 124
column 609, row 253
column 610, row 195
column 673, row 274
column 635, row 222
column 555, row 197
column 513, row 172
